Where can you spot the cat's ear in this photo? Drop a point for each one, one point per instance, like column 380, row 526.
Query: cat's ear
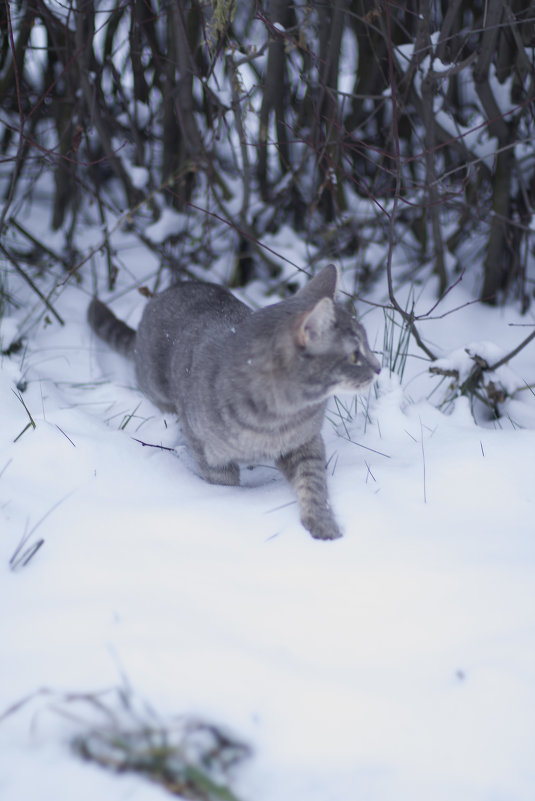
column 314, row 324
column 323, row 285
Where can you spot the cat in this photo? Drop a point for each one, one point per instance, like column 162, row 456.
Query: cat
column 249, row 385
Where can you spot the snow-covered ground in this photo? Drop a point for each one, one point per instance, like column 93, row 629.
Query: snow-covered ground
column 397, row 663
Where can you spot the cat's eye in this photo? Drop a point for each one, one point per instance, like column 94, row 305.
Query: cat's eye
column 354, row 356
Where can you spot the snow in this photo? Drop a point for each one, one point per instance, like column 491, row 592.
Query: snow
column 169, row 224
column 462, row 361
column 501, row 91
column 139, row 175
column 475, row 135
column 395, row 663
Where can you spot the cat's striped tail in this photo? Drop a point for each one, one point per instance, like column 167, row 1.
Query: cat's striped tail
column 108, row 327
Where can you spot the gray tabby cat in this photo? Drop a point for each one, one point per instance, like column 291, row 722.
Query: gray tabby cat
column 249, row 385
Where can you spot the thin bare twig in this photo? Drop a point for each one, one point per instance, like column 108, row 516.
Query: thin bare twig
column 150, row 445
column 513, row 353
column 408, row 317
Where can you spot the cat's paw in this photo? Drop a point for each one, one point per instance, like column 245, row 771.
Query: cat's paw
column 322, row 528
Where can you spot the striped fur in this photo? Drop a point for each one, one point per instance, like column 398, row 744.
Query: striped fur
column 247, row 385
column 113, row 331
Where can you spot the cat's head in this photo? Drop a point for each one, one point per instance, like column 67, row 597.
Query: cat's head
column 332, row 352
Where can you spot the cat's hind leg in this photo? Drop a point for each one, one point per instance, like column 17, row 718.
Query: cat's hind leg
column 228, row 474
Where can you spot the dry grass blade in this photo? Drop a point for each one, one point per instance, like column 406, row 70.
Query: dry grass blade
column 22, row 557
column 22, row 554
column 31, row 423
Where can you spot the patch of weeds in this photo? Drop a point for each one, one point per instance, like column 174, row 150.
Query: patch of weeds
column 346, row 413
column 189, row 758
column 128, row 417
column 396, row 341
column 343, row 415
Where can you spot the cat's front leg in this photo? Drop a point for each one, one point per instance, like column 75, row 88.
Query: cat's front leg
column 304, row 468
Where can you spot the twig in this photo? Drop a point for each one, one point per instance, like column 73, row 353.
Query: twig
column 150, row 445
column 236, row 110
column 38, row 244
column 513, row 353
column 367, row 448
column 369, row 472
column 65, row 435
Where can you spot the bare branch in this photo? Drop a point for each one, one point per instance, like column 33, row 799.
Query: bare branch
column 14, row 261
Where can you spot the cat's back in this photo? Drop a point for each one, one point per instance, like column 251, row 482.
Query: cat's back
column 177, row 323
column 188, row 313
column 193, row 303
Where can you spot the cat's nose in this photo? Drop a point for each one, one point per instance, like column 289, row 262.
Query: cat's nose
column 374, row 364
